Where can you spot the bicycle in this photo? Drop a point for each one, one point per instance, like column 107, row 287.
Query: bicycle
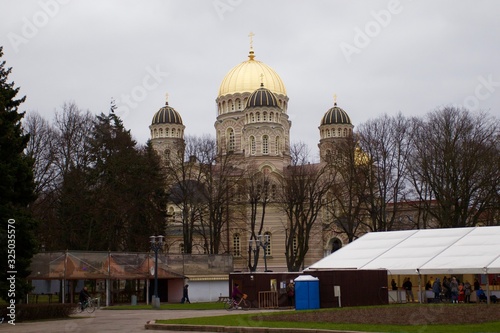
column 243, row 304
column 88, row 305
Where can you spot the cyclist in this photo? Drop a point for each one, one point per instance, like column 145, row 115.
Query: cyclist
column 237, row 294
column 84, row 296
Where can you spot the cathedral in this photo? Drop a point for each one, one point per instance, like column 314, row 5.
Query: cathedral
column 252, row 122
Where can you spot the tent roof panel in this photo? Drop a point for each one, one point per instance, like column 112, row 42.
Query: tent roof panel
column 428, row 251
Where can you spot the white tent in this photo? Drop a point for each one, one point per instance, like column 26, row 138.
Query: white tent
column 428, row 251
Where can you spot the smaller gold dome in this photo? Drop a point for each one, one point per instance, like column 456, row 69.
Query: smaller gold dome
column 247, row 77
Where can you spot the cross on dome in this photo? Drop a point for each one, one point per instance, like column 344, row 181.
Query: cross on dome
column 251, row 54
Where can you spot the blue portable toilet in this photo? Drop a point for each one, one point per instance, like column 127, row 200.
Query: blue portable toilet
column 306, row 292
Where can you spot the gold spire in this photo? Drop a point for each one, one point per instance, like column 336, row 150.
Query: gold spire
column 166, row 98
column 251, row 54
column 261, row 79
column 335, row 99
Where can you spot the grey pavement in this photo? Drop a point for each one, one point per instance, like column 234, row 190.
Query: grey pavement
column 132, row 321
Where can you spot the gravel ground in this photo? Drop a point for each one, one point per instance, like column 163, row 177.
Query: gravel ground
column 402, row 314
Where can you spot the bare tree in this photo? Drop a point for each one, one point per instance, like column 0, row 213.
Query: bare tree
column 73, row 127
column 387, row 142
column 41, row 148
column 257, row 190
column 220, row 175
column 304, row 186
column 346, row 201
column 456, row 157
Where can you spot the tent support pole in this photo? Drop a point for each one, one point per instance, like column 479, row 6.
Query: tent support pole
column 420, row 296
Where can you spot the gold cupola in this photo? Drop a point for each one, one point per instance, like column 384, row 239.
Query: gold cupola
column 246, row 78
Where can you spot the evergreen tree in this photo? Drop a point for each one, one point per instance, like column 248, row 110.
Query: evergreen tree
column 127, row 190
column 17, row 192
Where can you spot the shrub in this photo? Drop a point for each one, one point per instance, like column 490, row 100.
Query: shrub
column 25, row 312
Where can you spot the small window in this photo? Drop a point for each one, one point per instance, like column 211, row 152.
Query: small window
column 265, row 145
column 237, row 245
column 267, row 238
column 230, row 139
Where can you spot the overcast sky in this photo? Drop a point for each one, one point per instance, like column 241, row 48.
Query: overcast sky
column 376, row 56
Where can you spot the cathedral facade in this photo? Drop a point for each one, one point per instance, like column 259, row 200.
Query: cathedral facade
column 253, row 123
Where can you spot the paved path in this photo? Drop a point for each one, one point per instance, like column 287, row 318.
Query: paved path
column 132, row 321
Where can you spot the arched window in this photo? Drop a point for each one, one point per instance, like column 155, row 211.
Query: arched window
column 335, row 244
column 156, row 133
column 265, row 144
column 252, row 117
column 271, row 116
column 252, row 145
column 340, row 132
column 345, row 131
column 277, row 145
column 264, row 115
column 238, row 104
column 173, row 132
column 231, row 105
column 236, row 245
column 273, row 191
column 327, row 133
column 160, row 132
column 258, row 116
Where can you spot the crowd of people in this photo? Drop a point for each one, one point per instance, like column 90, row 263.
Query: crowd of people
column 449, row 289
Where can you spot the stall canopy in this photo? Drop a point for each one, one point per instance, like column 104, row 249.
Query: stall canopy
column 428, row 251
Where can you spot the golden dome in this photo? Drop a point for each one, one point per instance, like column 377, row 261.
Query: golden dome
column 248, row 76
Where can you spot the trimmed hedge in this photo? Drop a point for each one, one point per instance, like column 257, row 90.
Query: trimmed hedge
column 26, row 312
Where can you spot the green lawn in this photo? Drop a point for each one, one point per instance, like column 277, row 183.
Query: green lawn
column 258, row 320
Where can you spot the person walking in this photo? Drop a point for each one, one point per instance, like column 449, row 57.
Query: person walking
column 185, row 294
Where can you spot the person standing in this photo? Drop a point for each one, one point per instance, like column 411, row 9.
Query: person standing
column 394, row 285
column 436, row 288
column 185, row 294
column 477, row 286
column 454, row 290
column 290, row 292
column 408, row 286
column 468, row 291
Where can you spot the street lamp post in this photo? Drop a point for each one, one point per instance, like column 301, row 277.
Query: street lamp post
column 156, row 245
column 263, row 243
